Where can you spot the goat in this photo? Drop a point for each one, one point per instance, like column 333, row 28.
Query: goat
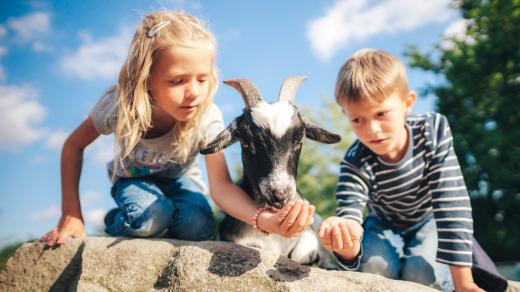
column 271, row 136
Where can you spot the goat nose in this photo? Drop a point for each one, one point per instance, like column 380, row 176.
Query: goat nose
column 282, row 195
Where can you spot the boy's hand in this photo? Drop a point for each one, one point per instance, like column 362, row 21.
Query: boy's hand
column 69, row 226
column 288, row 221
column 342, row 236
column 463, row 279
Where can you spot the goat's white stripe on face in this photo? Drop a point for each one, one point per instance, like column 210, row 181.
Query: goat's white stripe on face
column 279, row 179
column 275, row 117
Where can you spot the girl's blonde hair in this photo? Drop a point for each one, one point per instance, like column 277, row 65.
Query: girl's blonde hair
column 155, row 32
column 370, row 75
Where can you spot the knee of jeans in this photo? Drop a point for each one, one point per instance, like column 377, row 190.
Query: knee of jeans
column 378, row 265
column 194, row 224
column 151, row 220
column 417, row 269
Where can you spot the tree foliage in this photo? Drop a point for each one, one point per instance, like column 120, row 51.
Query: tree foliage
column 480, row 95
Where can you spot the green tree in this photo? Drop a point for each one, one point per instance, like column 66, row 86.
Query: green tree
column 480, row 95
column 318, row 168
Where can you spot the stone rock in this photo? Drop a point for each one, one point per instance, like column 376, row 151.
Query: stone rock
column 124, row 264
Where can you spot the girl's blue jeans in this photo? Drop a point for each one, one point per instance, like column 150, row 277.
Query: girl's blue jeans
column 408, row 255
column 147, row 206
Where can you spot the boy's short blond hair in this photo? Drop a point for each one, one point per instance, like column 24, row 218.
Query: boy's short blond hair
column 370, row 75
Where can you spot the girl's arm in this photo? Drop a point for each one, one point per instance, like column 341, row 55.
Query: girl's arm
column 71, row 221
column 288, row 221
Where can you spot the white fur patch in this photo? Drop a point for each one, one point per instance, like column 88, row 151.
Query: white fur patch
column 279, row 179
column 276, row 117
column 307, row 247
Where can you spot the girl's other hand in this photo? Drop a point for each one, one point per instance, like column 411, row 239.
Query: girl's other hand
column 69, row 226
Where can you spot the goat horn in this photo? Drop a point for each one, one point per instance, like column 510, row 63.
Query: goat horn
column 247, row 89
column 289, row 88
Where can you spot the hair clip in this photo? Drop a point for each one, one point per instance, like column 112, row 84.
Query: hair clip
column 157, row 27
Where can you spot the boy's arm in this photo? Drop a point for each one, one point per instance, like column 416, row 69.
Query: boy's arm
column 71, row 221
column 451, row 206
column 351, row 198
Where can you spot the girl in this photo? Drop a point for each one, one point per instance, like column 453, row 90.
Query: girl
column 161, row 113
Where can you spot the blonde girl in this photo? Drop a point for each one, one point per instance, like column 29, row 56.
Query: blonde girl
column 161, row 113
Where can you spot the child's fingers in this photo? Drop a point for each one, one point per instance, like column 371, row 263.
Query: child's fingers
column 291, row 217
column 345, row 235
column 282, row 214
column 51, row 237
column 46, row 236
column 355, row 233
column 321, row 229
column 326, row 239
column 301, row 220
column 311, row 210
column 337, row 241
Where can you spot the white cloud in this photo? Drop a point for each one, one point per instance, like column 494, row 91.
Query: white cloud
column 94, row 217
column 3, row 51
column 98, row 59
column 19, row 115
column 3, row 75
column 89, row 197
column 53, row 212
column 351, row 21
column 456, row 31
column 30, row 27
column 55, row 139
column 3, row 31
column 102, row 150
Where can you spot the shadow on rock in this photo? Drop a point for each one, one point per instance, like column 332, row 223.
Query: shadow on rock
column 68, row 279
column 287, row 270
column 233, row 260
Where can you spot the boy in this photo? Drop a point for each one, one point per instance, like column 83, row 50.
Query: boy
column 419, row 225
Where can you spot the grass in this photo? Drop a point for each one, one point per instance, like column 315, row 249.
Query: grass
column 7, row 252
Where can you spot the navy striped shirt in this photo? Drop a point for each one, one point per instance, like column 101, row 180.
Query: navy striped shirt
column 426, row 180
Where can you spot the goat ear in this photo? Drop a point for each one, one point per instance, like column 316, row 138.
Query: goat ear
column 225, row 138
column 318, row 134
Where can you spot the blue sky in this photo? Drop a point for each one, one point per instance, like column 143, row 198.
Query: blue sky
column 57, row 58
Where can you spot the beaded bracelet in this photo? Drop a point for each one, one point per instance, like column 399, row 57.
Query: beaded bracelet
column 254, row 221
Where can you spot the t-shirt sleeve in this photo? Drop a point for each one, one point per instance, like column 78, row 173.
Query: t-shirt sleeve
column 211, row 124
column 104, row 114
column 351, row 191
column 450, row 199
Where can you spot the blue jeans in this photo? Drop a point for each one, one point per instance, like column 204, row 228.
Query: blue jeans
column 407, row 255
column 147, row 206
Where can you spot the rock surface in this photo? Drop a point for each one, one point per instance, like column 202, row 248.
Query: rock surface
column 122, row 264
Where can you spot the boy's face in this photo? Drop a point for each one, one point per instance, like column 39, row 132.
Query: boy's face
column 380, row 126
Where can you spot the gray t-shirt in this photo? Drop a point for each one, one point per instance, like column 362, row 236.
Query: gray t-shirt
column 156, row 156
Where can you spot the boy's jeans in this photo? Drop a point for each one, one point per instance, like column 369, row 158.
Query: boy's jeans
column 408, row 255
column 149, row 205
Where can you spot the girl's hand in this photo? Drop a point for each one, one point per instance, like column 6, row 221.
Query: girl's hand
column 342, row 236
column 288, row 221
column 69, row 226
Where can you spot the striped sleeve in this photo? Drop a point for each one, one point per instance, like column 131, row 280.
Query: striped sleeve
column 351, row 193
column 450, row 199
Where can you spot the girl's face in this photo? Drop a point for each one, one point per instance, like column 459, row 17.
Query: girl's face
column 180, row 81
column 381, row 126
